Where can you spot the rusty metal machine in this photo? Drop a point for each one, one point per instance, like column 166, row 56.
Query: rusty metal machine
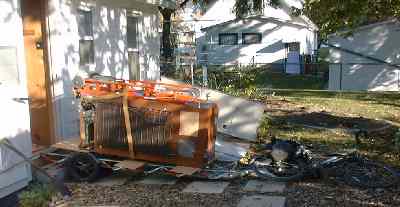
column 148, row 121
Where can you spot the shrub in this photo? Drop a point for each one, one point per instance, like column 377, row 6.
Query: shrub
column 37, row 195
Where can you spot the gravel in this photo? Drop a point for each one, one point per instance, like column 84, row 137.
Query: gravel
column 308, row 193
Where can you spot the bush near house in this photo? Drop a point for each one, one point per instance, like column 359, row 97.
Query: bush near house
column 36, row 195
column 232, row 78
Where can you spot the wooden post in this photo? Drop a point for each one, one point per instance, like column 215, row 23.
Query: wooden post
column 128, row 124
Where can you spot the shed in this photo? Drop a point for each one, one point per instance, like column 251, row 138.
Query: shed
column 366, row 60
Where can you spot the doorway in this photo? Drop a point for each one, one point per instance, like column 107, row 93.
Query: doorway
column 38, row 79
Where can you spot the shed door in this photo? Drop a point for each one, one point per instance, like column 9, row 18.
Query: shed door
column 33, row 26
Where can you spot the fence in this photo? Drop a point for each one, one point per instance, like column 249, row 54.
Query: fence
column 321, row 76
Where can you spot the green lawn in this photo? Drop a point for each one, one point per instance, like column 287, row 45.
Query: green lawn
column 384, row 106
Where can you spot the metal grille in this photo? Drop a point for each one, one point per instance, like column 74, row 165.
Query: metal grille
column 110, row 131
column 151, row 129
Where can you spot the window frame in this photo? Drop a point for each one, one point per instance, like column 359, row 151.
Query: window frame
column 251, row 33
column 86, row 37
column 236, row 36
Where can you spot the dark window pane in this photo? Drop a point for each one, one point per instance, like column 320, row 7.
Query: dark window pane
column 85, row 23
column 252, row 38
column 86, row 52
column 134, row 72
column 293, row 46
column 228, row 39
column 132, row 32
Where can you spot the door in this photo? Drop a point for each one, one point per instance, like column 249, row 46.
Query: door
column 293, row 58
column 37, row 73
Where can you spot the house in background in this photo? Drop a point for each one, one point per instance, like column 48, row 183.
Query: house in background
column 368, row 59
column 46, row 46
column 272, row 35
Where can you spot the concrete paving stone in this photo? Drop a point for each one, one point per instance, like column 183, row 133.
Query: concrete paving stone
column 262, row 201
column 206, row 187
column 264, row 186
column 158, row 180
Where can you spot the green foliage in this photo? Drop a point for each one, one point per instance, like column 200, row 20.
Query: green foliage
column 243, row 8
column 37, row 195
column 334, row 15
column 264, row 131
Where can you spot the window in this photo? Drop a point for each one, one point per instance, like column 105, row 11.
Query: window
column 85, row 29
column 133, row 47
column 251, row 38
column 293, row 46
column 228, row 39
column 132, row 23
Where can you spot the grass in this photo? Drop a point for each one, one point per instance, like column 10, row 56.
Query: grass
column 366, row 104
column 369, row 105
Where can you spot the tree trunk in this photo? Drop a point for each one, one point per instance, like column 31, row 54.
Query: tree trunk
column 166, row 47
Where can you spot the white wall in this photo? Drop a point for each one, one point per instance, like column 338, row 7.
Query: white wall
column 282, row 26
column 358, row 73
column 271, row 50
column 15, row 118
column 110, row 45
column 219, row 11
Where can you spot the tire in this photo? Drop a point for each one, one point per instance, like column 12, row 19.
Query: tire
column 297, row 169
column 368, row 174
column 82, row 167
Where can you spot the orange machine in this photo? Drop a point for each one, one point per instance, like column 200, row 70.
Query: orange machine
column 148, row 121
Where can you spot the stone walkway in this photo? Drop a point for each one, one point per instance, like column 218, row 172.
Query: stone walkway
column 257, row 192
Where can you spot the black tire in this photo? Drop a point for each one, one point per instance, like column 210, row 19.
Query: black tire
column 368, row 174
column 82, row 167
column 294, row 171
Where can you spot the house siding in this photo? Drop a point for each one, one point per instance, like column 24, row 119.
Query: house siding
column 285, row 28
column 110, row 50
column 363, row 74
column 15, row 123
column 271, row 49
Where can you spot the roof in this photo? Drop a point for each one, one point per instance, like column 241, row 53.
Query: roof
column 259, row 17
column 365, row 27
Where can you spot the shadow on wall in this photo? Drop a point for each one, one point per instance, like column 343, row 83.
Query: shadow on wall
column 372, row 77
column 361, row 73
column 8, row 10
column 111, row 54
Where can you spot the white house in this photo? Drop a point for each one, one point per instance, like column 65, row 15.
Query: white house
column 272, row 36
column 369, row 59
column 47, row 45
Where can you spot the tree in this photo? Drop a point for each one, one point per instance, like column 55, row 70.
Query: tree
column 242, row 8
column 333, row 15
column 167, row 49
